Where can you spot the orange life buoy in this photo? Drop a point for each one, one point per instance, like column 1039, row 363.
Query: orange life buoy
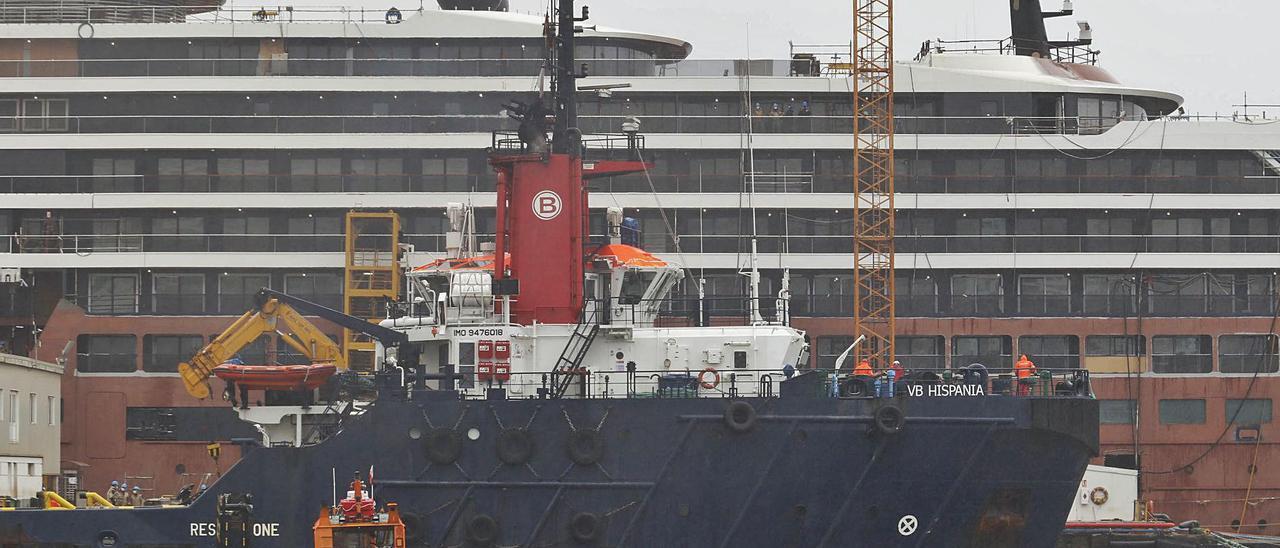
column 709, row 384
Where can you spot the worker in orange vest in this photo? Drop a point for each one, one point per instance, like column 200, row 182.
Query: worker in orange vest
column 863, row 369
column 1024, row 370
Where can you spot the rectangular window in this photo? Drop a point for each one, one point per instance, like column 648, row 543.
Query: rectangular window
column 977, row 294
column 315, row 175
column 1115, row 411
column 236, row 291
column 378, row 175
column 243, row 175
column 115, row 175
column 1251, row 411
column 1044, row 294
column 320, row 288
column 8, row 115
column 1115, row 345
column 1051, row 351
column 920, row 352
column 13, row 416
column 178, row 233
column 1247, row 354
column 1181, row 411
column 53, row 410
column 183, row 175
column 917, row 296
column 1109, row 295
column 113, row 294
column 994, row 352
column 33, row 409
column 163, row 353
column 106, row 353
column 830, row 348
column 177, row 293
column 1181, row 354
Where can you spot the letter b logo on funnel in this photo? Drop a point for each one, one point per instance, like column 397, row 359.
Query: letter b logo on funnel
column 547, row 205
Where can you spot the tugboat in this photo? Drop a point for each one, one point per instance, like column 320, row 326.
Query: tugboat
column 553, row 393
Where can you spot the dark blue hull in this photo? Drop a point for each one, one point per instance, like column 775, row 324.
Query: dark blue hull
column 972, row 471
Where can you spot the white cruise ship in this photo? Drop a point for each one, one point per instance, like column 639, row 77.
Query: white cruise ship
column 161, row 163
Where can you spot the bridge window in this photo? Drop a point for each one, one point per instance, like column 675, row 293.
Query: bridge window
column 163, row 353
column 1247, row 354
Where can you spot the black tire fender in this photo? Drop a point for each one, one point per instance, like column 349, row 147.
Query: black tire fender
column 444, row 445
column 586, row 446
column 888, row 419
column 515, row 446
column 481, row 530
column 586, row 527
column 740, row 416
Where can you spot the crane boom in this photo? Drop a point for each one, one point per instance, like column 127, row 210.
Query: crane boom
column 281, row 314
column 873, row 212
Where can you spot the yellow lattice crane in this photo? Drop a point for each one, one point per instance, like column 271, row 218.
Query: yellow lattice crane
column 873, row 181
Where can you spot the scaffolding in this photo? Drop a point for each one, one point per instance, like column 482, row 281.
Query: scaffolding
column 371, row 278
column 873, row 180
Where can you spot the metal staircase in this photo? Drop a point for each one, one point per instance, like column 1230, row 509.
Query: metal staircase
column 571, row 357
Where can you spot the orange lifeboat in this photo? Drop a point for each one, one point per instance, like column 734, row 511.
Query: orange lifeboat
column 276, row 377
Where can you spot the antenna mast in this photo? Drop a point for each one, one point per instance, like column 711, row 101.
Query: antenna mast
column 873, row 228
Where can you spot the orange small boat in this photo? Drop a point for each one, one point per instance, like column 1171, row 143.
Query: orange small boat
column 276, row 377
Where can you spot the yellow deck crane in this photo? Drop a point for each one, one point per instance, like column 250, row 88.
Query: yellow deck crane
column 277, row 312
column 873, row 210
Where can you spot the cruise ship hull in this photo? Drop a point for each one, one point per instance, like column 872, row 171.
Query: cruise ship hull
column 809, row 470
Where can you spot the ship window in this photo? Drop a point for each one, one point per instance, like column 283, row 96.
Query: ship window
column 634, row 284
column 994, row 352
column 236, row 291
column 168, row 234
column 113, row 294
column 163, row 353
column 256, row 234
column 916, row 295
column 446, row 175
column 920, row 352
column 1115, row 411
column 321, row 288
column 177, row 293
column 1181, row 354
column 1108, row 295
column 183, row 175
column 1252, row 411
column 243, row 175
column 1051, row 351
column 1181, row 411
column 378, row 175
column 1044, row 294
column 466, row 353
column 315, row 175
column 1115, row 345
column 739, row 359
column 977, row 294
column 115, row 175
column 1247, row 354
column 829, row 348
column 8, row 114
column 106, row 353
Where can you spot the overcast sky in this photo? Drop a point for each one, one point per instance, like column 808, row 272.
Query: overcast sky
column 1210, row 52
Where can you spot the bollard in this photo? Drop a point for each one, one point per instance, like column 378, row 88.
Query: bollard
column 890, row 376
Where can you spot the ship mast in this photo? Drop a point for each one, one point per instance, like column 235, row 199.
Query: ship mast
column 873, row 213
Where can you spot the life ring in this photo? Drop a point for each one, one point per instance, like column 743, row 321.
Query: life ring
column 586, row 527
column 1099, row 496
column 515, row 446
column 482, row 530
column 444, row 445
column 585, row 446
column 740, row 416
column 709, row 384
column 888, row 419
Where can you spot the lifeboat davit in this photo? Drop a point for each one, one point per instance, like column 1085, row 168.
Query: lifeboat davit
column 276, row 377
